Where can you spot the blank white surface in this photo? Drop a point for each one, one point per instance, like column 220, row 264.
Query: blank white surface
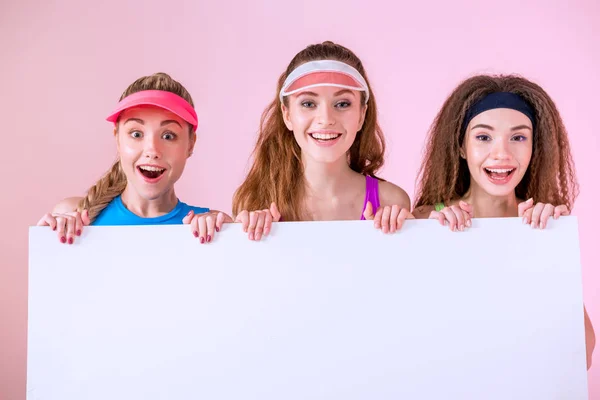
column 319, row 310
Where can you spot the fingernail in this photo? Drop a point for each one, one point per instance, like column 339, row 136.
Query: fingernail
column 54, row 228
column 70, row 240
column 462, row 228
column 524, row 220
column 251, row 235
column 63, row 239
column 190, row 212
column 542, row 225
column 202, row 240
column 196, row 233
column 79, row 233
column 208, row 239
column 217, row 228
column 533, row 225
column 469, row 223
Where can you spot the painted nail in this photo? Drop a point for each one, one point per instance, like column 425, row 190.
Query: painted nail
column 63, row 239
column 217, row 228
column 196, row 233
column 208, row 238
column 70, row 240
column 79, row 232
column 202, row 240
column 54, row 228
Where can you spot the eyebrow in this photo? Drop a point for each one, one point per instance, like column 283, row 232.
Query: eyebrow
column 514, row 128
column 343, row 91
column 141, row 121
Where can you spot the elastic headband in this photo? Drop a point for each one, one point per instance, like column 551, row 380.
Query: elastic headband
column 159, row 98
column 323, row 73
column 499, row 100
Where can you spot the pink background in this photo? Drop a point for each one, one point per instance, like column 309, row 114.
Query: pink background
column 65, row 64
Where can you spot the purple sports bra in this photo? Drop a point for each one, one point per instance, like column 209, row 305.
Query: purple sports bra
column 372, row 195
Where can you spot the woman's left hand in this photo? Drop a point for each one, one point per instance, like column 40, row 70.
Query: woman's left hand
column 389, row 218
column 537, row 215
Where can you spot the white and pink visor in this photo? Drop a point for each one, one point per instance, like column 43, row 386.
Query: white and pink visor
column 323, row 73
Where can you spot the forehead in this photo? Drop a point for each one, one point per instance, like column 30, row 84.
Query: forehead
column 150, row 114
column 500, row 118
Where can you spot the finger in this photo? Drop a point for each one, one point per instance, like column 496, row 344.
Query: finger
column 268, row 222
column 188, row 218
column 210, row 227
column 537, row 213
column 377, row 218
column 402, row 216
column 78, row 224
column 193, row 224
column 260, row 224
column 524, row 206
column 450, row 217
column 220, row 221
column 61, row 229
column 70, row 229
column 547, row 211
column 244, row 218
column 368, row 213
column 275, row 212
column 47, row 220
column 395, row 212
column 439, row 216
column 467, row 218
column 201, row 227
column 561, row 210
column 85, row 217
column 527, row 216
column 252, row 224
column 460, row 221
column 385, row 219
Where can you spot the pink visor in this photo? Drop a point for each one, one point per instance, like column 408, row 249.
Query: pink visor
column 324, row 73
column 158, row 98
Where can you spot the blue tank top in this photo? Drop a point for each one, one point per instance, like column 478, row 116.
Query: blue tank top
column 116, row 213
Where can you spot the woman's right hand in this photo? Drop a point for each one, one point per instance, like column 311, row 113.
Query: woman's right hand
column 258, row 223
column 68, row 224
column 456, row 216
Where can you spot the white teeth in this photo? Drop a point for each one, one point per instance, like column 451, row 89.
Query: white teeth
column 498, row 170
column 325, row 136
column 150, row 168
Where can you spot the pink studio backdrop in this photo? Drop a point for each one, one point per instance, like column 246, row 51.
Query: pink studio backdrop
column 65, row 63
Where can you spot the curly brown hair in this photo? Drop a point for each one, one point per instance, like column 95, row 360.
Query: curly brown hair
column 277, row 172
column 113, row 183
column 444, row 175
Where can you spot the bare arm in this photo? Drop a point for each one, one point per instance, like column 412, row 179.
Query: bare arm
column 590, row 338
column 390, row 194
column 67, row 205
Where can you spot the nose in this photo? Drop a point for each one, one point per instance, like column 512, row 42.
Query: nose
column 152, row 147
column 325, row 116
column 500, row 150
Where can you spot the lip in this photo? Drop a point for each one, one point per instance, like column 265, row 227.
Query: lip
column 502, row 181
column 325, row 142
column 150, row 180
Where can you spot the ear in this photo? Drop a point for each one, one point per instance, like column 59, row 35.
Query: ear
column 363, row 115
column 463, row 151
column 193, row 138
column 286, row 117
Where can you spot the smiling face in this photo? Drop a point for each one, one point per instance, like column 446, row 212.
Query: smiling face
column 325, row 121
column 153, row 146
column 498, row 148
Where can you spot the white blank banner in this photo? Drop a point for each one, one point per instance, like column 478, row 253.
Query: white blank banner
column 319, row 310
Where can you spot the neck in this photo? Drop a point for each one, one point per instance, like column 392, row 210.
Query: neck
column 326, row 179
column 148, row 208
column 488, row 206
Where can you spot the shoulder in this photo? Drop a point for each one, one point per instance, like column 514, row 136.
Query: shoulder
column 390, row 194
column 67, row 205
column 423, row 212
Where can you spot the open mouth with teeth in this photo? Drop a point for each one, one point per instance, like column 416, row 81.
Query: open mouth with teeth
column 499, row 174
column 151, row 172
column 325, row 137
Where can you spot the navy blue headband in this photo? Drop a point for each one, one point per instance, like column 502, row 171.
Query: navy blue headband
column 499, row 100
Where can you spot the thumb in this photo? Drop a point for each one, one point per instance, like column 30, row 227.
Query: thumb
column 85, row 217
column 468, row 208
column 524, row 206
column 188, row 218
column 275, row 212
column 368, row 213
